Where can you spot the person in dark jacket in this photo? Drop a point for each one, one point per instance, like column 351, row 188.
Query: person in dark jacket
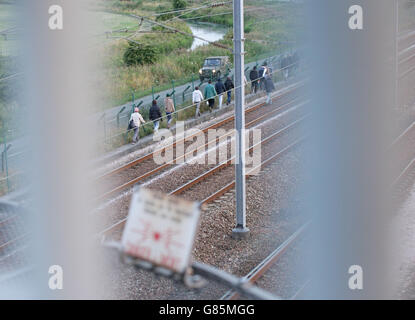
column 269, row 86
column 220, row 90
column 261, row 74
column 210, row 94
column 155, row 115
column 253, row 77
column 229, row 86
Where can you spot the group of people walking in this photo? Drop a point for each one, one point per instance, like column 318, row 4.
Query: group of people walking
column 136, row 119
column 210, row 92
column 260, row 79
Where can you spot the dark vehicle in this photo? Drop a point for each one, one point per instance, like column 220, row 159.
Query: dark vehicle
column 214, row 68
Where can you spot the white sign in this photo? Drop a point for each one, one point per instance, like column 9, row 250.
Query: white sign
column 161, row 229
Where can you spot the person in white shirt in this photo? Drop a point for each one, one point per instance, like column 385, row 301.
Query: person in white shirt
column 136, row 119
column 197, row 98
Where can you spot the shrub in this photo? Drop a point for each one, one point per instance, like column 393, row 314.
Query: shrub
column 140, row 54
column 164, row 17
column 179, row 4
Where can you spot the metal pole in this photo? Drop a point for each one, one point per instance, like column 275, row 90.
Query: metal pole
column 240, row 231
column 396, row 95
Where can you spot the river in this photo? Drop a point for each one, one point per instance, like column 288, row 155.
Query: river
column 208, row 31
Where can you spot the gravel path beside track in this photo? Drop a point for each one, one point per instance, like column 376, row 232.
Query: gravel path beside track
column 273, row 214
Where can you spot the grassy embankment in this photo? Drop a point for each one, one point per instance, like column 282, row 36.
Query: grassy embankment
column 265, row 27
column 269, row 28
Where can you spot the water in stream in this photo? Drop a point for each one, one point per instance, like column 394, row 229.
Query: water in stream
column 208, row 31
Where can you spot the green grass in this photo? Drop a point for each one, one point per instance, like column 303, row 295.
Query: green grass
column 118, row 136
column 264, row 37
column 109, row 21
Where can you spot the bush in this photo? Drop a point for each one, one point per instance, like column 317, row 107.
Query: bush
column 165, row 42
column 140, row 54
column 179, row 4
column 165, row 15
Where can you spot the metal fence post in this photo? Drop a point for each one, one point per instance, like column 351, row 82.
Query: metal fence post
column 174, row 94
column 184, row 92
column 118, row 116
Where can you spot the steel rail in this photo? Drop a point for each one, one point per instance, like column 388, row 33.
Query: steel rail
column 213, row 126
column 218, row 193
column 7, row 220
column 228, row 162
column 406, row 51
column 230, row 281
column 231, row 185
column 260, row 269
column 300, row 290
column 404, row 38
column 165, row 165
column 408, row 71
column 11, row 76
column 411, row 162
column 403, row 173
column 6, row 244
column 403, row 51
column 404, row 133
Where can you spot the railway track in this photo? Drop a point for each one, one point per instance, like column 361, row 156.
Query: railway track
column 17, row 242
column 221, row 175
column 256, row 273
column 145, row 167
column 11, row 234
column 13, row 240
column 407, row 167
column 406, row 55
column 14, row 236
column 10, row 246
